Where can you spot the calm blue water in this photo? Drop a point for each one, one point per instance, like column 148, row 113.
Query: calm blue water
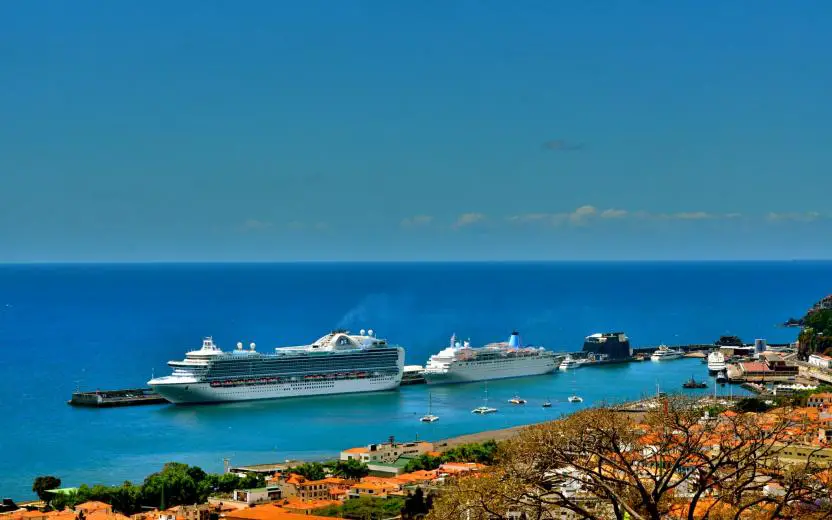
column 111, row 326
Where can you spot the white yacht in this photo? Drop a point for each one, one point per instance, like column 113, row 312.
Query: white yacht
column 575, row 399
column 337, row 363
column 570, row 362
column 716, row 362
column 460, row 363
column 663, row 353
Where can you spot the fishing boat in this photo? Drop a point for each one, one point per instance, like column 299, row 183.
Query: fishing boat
column 430, row 417
column 693, row 383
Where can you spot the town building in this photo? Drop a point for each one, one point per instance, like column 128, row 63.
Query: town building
column 821, row 400
column 820, row 361
column 387, row 452
column 262, row 495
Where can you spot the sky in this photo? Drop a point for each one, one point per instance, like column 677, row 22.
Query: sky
column 431, row 130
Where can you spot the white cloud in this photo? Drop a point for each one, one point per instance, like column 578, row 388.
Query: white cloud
column 692, row 215
column 416, row 221
column 587, row 213
column 254, row 224
column 582, row 214
column 809, row 216
column 467, row 219
column 614, row 213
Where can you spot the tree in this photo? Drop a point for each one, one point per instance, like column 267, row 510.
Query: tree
column 310, row 470
column 351, row 469
column 415, row 506
column 601, row 463
column 43, row 484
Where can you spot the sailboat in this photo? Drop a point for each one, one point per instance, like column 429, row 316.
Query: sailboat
column 574, row 398
column 482, row 410
column 430, row 417
column 547, row 404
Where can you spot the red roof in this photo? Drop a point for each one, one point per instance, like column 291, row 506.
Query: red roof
column 754, row 366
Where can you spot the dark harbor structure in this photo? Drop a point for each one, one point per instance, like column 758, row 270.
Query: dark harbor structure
column 614, row 345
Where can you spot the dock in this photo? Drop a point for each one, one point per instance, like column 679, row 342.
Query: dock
column 113, row 398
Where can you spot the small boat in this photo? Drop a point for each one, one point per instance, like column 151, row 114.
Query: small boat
column 430, row 417
column 693, row 383
column 517, row 400
column 575, row 399
column 569, row 362
column 547, row 404
column 482, row 410
column 721, row 378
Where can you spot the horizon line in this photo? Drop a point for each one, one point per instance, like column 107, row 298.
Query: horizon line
column 423, row 261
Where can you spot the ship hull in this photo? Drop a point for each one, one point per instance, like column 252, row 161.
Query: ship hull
column 200, row 393
column 469, row 373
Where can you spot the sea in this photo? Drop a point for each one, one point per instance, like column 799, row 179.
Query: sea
column 91, row 327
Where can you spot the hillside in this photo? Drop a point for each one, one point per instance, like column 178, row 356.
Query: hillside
column 816, row 336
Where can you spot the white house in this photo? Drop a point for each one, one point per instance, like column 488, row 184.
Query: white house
column 821, row 361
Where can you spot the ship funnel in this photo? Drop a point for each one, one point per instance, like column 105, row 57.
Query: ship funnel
column 514, row 340
column 453, row 339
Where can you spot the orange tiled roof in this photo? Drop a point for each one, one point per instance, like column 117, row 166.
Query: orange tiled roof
column 271, row 512
column 88, row 507
column 417, row 476
column 297, row 504
column 357, row 450
column 103, row 515
column 376, row 486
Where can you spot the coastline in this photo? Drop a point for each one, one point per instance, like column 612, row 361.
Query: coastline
column 501, row 434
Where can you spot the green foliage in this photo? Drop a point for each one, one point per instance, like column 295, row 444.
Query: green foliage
column 714, row 410
column 364, row 508
column 61, row 501
column 820, row 321
column 350, row 469
column 310, row 470
column 484, row 453
column 416, row 505
column 816, row 336
column 728, row 341
column 180, row 484
column 42, row 484
column 751, row 404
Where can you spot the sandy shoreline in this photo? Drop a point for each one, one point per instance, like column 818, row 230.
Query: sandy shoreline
column 496, row 435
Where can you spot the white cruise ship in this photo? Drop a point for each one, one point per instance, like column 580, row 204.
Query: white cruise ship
column 460, row 363
column 338, row 363
column 663, row 353
column 716, row 362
